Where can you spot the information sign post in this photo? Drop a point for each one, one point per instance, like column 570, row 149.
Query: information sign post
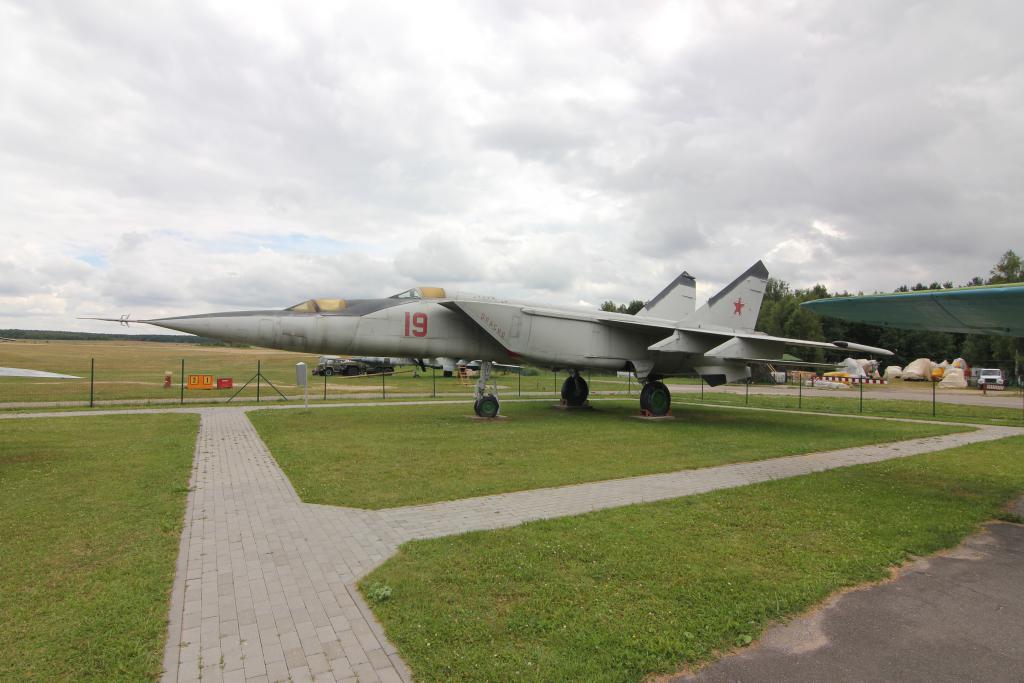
column 301, row 381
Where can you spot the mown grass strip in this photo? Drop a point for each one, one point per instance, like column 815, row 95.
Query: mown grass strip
column 618, row 594
column 849, row 404
column 89, row 530
column 376, row 458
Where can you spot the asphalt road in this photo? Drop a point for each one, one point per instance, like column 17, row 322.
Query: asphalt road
column 956, row 616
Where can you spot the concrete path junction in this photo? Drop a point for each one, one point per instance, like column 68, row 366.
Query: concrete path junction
column 265, row 584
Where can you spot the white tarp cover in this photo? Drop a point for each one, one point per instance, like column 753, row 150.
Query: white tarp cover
column 893, row 372
column 953, row 379
column 920, row 370
column 826, row 384
column 870, row 367
column 852, row 367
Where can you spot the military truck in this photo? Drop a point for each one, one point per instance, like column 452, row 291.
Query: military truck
column 336, row 365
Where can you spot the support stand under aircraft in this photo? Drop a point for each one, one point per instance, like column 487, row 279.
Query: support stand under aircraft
column 668, row 336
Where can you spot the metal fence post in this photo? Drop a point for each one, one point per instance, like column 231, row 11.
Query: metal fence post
column 746, row 396
column 800, row 392
column 520, row 382
column 259, row 375
column 181, row 384
column 701, row 387
column 325, row 386
column 933, row 398
column 383, row 389
column 862, row 396
column 92, row 379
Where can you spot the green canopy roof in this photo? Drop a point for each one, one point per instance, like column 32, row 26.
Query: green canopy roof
column 995, row 309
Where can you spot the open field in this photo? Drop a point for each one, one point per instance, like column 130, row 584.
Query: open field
column 89, row 528
column 135, row 371
column 377, row 458
column 617, row 594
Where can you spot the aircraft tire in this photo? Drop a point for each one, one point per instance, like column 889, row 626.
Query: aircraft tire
column 328, row 371
column 655, row 399
column 486, row 406
column 352, row 371
column 575, row 390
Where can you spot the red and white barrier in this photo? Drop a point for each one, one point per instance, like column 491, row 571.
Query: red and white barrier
column 850, row 380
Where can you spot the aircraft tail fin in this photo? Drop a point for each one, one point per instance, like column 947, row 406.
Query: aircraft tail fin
column 675, row 302
column 738, row 304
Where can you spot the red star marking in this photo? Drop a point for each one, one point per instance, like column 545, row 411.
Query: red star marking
column 739, row 306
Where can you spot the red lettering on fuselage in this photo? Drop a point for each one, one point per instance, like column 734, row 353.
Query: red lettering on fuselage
column 416, row 324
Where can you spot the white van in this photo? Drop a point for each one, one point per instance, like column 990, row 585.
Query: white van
column 991, row 379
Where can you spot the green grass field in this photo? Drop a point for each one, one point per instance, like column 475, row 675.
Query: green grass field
column 90, row 521
column 618, row 594
column 849, row 403
column 134, row 371
column 379, row 458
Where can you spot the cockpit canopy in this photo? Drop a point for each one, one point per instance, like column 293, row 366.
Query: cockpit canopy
column 421, row 293
column 319, row 306
column 338, row 305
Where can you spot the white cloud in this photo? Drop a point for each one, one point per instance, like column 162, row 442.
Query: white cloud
column 827, row 229
column 193, row 156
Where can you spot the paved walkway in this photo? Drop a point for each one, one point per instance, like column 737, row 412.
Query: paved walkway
column 955, row 616
column 265, row 583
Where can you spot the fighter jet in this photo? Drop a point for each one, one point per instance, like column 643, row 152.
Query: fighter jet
column 668, row 336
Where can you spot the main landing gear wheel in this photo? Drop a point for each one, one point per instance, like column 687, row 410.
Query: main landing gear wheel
column 487, row 406
column 655, row 399
column 575, row 390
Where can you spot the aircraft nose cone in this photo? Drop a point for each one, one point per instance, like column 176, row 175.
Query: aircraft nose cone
column 213, row 325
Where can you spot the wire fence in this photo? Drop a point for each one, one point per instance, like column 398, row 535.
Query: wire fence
column 100, row 374
column 111, row 373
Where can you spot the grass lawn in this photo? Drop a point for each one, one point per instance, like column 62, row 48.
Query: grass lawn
column 131, row 370
column 379, row 458
column 617, row 594
column 90, row 520
column 849, row 404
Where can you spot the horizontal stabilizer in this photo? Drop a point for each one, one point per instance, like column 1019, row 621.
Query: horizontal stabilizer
column 850, row 346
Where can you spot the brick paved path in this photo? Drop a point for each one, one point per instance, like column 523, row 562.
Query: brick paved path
column 265, row 583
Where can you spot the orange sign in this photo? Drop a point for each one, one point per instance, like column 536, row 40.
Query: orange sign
column 200, row 382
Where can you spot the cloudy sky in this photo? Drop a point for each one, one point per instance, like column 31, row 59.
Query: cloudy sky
column 163, row 158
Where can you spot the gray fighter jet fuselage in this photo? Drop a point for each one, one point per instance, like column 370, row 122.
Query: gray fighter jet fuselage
column 667, row 337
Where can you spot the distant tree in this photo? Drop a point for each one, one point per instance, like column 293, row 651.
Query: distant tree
column 631, row 308
column 1007, row 270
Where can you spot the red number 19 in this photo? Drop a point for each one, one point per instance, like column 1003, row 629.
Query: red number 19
column 417, row 322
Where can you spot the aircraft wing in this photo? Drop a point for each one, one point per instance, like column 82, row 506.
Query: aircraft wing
column 711, row 341
column 995, row 309
column 748, row 346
